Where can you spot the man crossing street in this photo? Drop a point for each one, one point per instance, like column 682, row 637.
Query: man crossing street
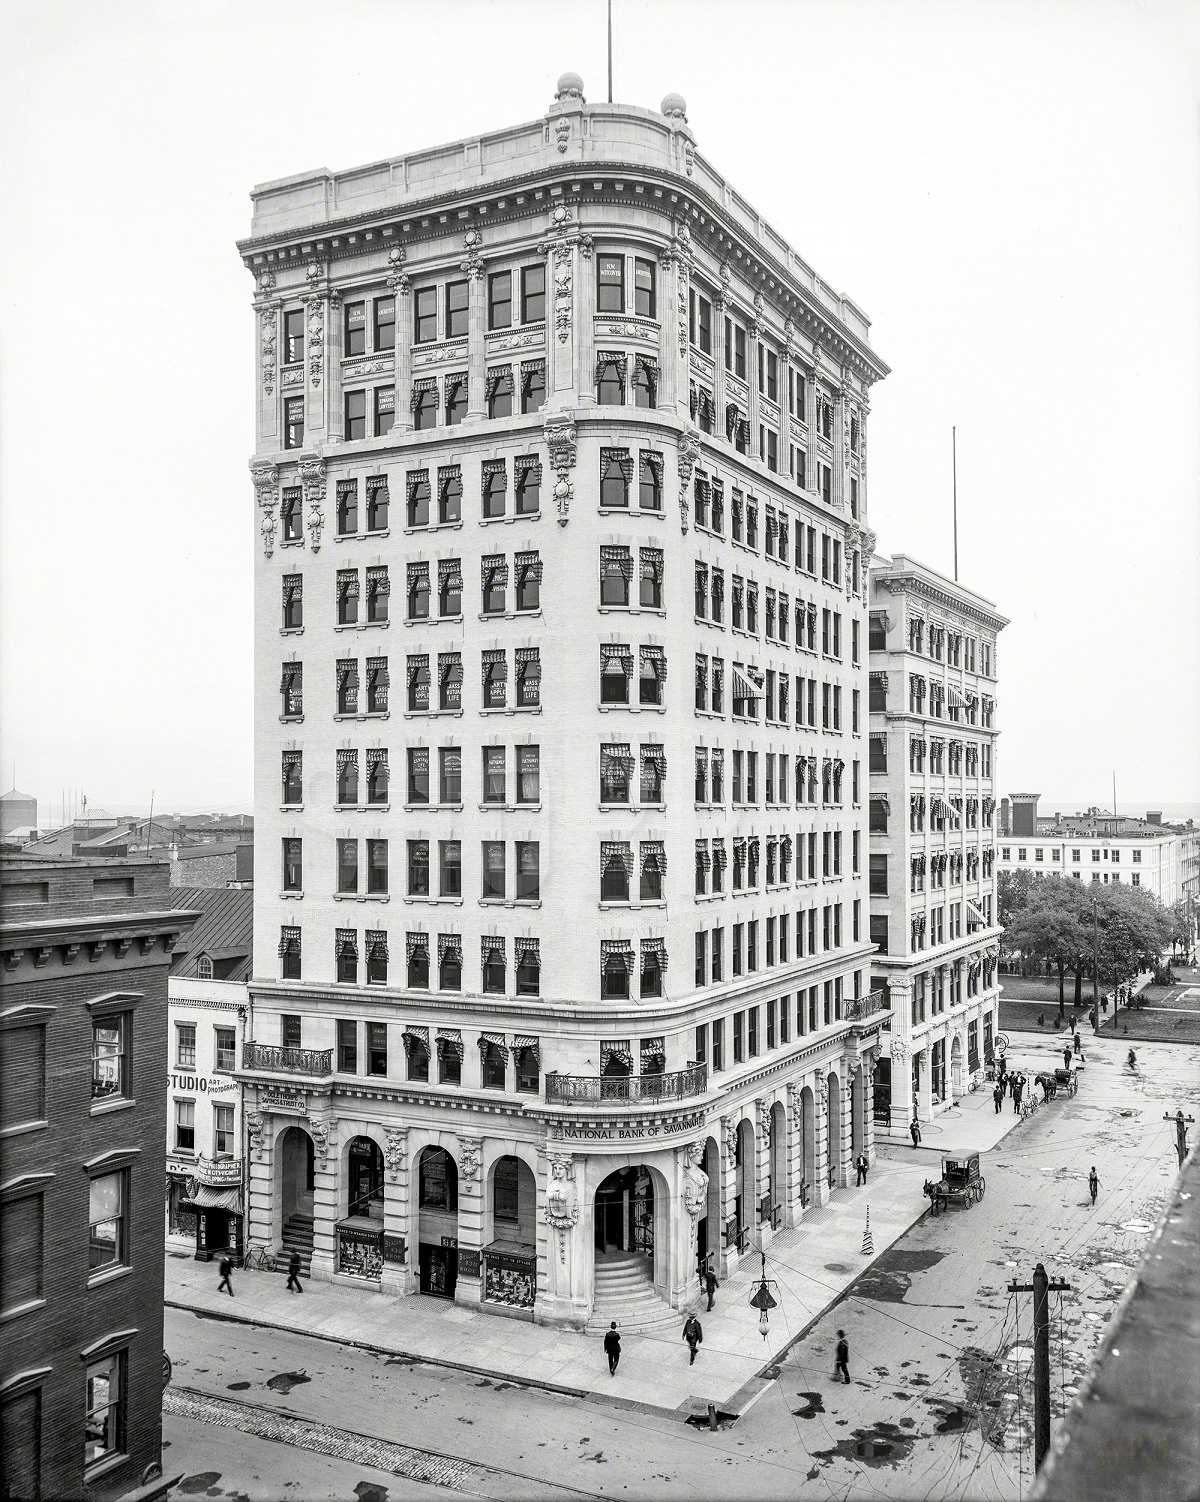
column 914, row 1131
column 1093, row 1182
column 842, row 1364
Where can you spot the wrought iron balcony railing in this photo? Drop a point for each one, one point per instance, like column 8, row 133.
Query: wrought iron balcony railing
column 648, row 1089
column 858, row 1008
column 316, row 1062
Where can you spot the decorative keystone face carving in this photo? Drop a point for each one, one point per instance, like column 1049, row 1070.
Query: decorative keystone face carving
column 562, row 1199
column 695, row 1180
column 312, row 481
column 560, row 434
column 689, row 452
column 470, row 1152
column 254, row 1127
column 729, row 1129
column 320, row 1131
column 395, row 1151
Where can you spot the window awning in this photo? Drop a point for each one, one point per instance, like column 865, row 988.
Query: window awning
column 744, row 687
column 208, row 1197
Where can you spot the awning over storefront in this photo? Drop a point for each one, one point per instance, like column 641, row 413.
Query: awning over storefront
column 208, row 1198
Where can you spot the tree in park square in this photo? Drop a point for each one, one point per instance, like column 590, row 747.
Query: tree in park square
column 1049, row 921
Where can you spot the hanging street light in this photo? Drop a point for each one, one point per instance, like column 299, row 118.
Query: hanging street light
column 763, row 1299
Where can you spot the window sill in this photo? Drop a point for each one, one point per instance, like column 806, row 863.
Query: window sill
column 108, row 1107
column 632, row 609
column 434, row 620
column 109, row 1275
column 497, row 709
column 291, row 719
column 291, row 808
column 510, row 902
column 285, row 895
column 431, row 714
column 710, row 896
column 511, row 615
column 360, row 625
column 103, row 1468
column 361, row 808
column 362, row 536
column 613, row 808
column 424, row 808
column 434, row 901
column 455, row 526
column 367, row 714
column 711, row 714
column 291, row 630
column 362, row 897
column 633, row 708
column 19, row 1309
column 517, row 516
column 632, row 907
column 291, row 542
column 22, row 1127
column 509, row 808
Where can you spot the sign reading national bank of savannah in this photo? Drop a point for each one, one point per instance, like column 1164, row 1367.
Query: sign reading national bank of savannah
column 627, row 1131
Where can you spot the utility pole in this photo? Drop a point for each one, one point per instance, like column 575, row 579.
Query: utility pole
column 1180, row 1121
column 1041, row 1288
column 1096, row 969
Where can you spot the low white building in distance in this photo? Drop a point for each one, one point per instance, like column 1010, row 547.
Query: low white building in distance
column 933, row 736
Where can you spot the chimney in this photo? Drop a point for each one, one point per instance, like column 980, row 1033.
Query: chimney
column 1024, row 815
column 1154, row 816
column 1005, row 816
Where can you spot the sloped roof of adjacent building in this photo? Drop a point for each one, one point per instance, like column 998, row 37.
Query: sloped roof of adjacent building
column 13, row 796
column 224, row 930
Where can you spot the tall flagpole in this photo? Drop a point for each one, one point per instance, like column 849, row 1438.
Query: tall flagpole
column 954, row 467
column 610, row 51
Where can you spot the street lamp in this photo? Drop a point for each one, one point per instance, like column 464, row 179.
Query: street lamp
column 762, row 1298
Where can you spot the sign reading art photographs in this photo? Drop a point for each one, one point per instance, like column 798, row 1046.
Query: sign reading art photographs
column 202, row 1084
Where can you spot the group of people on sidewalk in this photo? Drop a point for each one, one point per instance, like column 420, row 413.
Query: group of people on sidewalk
column 225, row 1268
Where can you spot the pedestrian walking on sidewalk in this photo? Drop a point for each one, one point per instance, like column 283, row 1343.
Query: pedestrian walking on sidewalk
column 225, row 1268
column 914, row 1131
column 612, row 1348
column 998, row 1096
column 1067, row 1057
column 860, row 1168
column 1018, row 1090
column 1078, row 1041
column 293, row 1281
column 842, row 1365
column 693, row 1334
column 710, row 1284
column 1093, row 1182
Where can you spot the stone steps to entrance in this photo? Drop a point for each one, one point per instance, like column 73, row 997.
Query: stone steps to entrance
column 298, row 1237
column 624, row 1291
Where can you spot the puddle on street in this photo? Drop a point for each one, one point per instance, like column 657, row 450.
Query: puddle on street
column 885, row 1443
column 813, row 1404
column 285, row 1381
column 236, row 1386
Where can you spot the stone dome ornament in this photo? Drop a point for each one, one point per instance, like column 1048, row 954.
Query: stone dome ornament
column 570, row 88
column 674, row 107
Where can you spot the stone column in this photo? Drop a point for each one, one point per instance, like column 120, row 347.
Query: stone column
column 585, row 324
column 753, row 340
column 569, row 305
column 820, row 1190
column 472, row 266
column 266, row 376
column 469, row 1289
column 762, row 1162
column 565, row 1257
column 793, row 1208
column 324, row 1131
column 673, row 365
column 812, row 412
column 689, row 1199
column 925, row 1081
column 333, row 371
column 846, row 1135
column 727, row 1256
column 398, row 1277
column 316, row 300
column 870, row 1060
column 720, row 303
column 401, row 284
column 260, row 1181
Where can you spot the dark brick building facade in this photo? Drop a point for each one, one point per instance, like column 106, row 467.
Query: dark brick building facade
column 85, row 947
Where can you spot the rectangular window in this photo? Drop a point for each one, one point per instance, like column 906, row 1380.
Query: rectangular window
column 223, row 1137
column 645, row 301
column 418, row 868
column 356, row 415
column 347, row 1046
column 347, row 866
column 529, row 774
column 500, row 300
column 185, row 1126
column 355, row 336
column 533, row 293
column 225, row 1046
column 293, row 864
column 293, row 336
column 385, row 323
column 610, row 284
column 384, row 410
column 528, row 871
column 185, row 1045
column 450, row 878
column 377, row 1052
column 104, row 1425
column 425, row 301
column 107, row 1241
column 493, row 869
column 377, row 867
column 110, row 1057
column 458, row 304
column 293, row 427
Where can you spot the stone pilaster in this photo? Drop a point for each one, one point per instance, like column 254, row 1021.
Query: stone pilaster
column 335, row 403
column 812, row 417
column 753, row 341
column 398, row 1219
column 401, row 284
column 727, row 1256
column 568, row 308
column 673, row 363
column 843, row 1169
column 565, row 1251
column 469, row 1289
column 472, row 266
column 316, row 384
column 793, row 1207
column 762, row 1162
column 266, row 376
column 720, row 304
column 325, row 1196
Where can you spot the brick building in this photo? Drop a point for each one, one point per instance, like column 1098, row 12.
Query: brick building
column 933, row 861
column 85, row 946
column 562, row 972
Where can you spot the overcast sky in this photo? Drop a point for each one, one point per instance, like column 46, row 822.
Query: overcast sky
column 1008, row 190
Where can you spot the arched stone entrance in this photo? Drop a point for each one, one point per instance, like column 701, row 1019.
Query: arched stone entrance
column 777, row 1163
column 624, row 1213
column 833, row 1128
column 511, row 1203
column 296, row 1186
column 632, row 1232
column 437, row 1222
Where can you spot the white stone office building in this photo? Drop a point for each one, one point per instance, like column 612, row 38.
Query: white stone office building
column 562, row 972
column 933, row 730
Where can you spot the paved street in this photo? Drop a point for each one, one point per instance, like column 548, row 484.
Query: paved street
column 936, row 1342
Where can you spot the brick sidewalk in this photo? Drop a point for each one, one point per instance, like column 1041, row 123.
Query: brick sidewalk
column 812, row 1265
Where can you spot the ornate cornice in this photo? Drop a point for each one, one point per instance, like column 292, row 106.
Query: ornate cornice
column 898, row 583
column 709, row 222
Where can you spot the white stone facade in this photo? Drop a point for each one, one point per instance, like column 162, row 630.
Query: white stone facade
column 731, row 1086
column 206, row 1028
column 933, row 856
column 1159, row 860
